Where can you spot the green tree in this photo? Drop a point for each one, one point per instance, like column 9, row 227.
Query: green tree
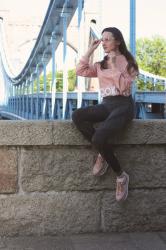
column 59, row 81
column 72, row 79
column 151, row 57
column 41, row 82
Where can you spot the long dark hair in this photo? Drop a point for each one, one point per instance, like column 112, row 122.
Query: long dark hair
column 122, row 48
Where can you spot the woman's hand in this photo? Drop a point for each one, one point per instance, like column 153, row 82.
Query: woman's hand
column 95, row 43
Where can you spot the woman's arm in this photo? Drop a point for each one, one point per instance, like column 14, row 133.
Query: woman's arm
column 84, row 68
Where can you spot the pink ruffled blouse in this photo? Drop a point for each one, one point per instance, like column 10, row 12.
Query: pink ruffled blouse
column 112, row 82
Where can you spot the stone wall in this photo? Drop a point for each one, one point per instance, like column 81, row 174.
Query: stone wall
column 46, row 185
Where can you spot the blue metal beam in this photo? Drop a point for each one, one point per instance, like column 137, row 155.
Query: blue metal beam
column 133, row 27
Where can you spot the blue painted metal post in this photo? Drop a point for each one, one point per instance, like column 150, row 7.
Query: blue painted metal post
column 45, row 88
column 9, row 103
column 53, row 87
column 32, row 89
column 65, row 75
column 8, row 91
column 80, row 80
column 23, row 99
column 25, row 96
column 38, row 93
column 9, row 98
column 12, row 108
column 19, row 101
column 14, row 99
column 12, row 102
column 27, row 102
column 133, row 35
column 133, row 27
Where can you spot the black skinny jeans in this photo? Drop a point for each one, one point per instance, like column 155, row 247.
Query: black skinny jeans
column 114, row 112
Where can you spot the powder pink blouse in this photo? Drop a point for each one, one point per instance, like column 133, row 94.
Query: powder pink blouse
column 112, row 82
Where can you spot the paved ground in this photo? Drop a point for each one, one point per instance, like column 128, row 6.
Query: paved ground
column 111, row 241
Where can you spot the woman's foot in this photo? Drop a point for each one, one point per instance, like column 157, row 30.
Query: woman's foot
column 100, row 166
column 122, row 183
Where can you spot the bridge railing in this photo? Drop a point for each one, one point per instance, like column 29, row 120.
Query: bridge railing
column 25, row 101
column 53, row 31
column 31, row 106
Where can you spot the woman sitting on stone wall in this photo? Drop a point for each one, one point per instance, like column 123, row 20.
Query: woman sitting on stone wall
column 115, row 73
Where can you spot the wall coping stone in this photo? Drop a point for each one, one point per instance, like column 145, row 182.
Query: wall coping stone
column 45, row 133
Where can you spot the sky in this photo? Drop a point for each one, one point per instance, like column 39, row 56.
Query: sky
column 150, row 14
column 150, row 20
column 150, row 17
column 22, row 8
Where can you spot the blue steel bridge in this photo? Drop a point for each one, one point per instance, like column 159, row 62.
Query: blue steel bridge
column 23, row 101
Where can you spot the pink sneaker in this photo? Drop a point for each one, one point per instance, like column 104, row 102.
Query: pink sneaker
column 122, row 187
column 100, row 166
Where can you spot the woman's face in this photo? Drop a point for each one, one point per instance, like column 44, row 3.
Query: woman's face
column 108, row 42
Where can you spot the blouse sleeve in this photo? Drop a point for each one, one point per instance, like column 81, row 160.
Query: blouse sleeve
column 84, row 68
column 123, row 80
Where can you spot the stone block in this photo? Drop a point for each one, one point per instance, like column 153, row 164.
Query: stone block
column 8, row 170
column 60, row 169
column 144, row 210
column 144, row 132
column 137, row 132
column 70, row 168
column 144, row 163
column 75, row 212
column 65, row 133
column 53, row 213
column 25, row 133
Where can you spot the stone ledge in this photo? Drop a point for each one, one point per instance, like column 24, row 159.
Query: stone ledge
column 30, row 133
column 13, row 133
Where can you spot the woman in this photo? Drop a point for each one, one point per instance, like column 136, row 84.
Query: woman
column 115, row 73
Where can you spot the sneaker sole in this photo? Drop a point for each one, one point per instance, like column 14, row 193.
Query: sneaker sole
column 127, row 188
column 126, row 194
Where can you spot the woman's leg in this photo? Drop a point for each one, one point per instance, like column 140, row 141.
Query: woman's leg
column 110, row 128
column 84, row 118
column 115, row 123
